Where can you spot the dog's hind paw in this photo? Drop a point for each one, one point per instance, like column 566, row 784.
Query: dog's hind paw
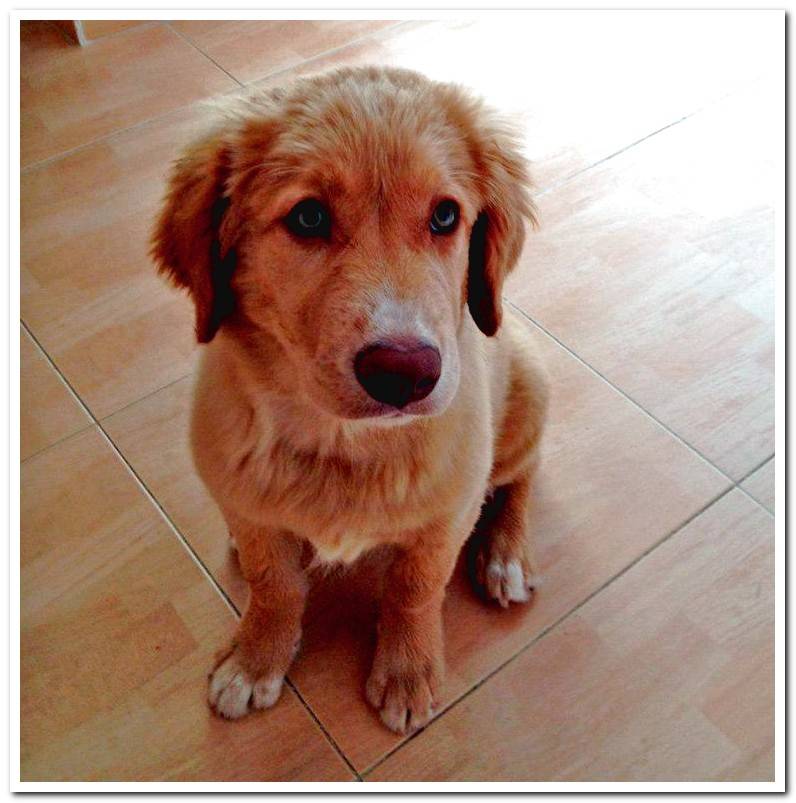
column 508, row 581
column 502, row 569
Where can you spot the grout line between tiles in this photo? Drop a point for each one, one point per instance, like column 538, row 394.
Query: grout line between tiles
column 68, row 388
column 188, row 41
column 181, row 539
column 619, row 390
column 326, row 733
column 756, row 468
column 86, row 426
column 637, row 405
column 315, row 57
column 74, row 394
column 564, row 181
column 756, row 501
column 705, row 106
column 544, row 632
column 147, row 395
column 173, row 527
column 743, row 490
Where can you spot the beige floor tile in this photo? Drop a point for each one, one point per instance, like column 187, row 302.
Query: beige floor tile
column 666, row 675
column 90, row 292
column 657, row 269
column 72, row 95
column 95, row 29
column 612, row 484
column 249, row 49
column 761, row 485
column 47, row 410
column 118, row 630
column 576, row 110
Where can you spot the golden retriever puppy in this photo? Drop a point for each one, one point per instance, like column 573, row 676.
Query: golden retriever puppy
column 345, row 242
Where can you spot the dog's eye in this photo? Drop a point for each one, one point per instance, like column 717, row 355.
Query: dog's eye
column 309, row 218
column 445, row 217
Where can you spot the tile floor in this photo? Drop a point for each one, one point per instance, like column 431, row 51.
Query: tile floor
column 648, row 653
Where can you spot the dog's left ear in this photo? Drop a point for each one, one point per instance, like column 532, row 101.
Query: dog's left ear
column 498, row 234
column 191, row 241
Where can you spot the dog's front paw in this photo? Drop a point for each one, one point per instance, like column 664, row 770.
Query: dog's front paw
column 405, row 697
column 233, row 689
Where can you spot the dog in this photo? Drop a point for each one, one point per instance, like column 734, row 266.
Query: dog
column 345, row 240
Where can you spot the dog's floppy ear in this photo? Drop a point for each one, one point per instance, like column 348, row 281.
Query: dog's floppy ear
column 192, row 241
column 498, row 234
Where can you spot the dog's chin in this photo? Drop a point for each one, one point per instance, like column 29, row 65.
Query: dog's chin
column 387, row 416
column 368, row 412
column 376, row 414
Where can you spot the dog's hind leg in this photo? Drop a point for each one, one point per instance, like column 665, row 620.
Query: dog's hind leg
column 505, row 567
column 502, row 555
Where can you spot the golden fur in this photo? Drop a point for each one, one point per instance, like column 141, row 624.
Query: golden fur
column 290, row 446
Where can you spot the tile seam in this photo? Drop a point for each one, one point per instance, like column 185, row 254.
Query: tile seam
column 141, row 484
column 621, row 392
column 190, row 42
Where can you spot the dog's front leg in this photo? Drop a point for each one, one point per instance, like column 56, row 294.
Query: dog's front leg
column 253, row 668
column 409, row 664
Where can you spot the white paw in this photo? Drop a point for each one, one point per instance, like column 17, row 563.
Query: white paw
column 506, row 582
column 231, row 689
column 266, row 691
column 404, row 700
column 233, row 544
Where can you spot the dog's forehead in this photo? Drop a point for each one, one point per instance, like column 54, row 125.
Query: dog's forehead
column 361, row 137
column 385, row 170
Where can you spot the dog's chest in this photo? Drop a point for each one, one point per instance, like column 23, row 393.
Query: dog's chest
column 346, row 548
column 342, row 506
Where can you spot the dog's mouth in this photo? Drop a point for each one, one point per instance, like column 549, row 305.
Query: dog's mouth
column 414, row 410
column 388, row 415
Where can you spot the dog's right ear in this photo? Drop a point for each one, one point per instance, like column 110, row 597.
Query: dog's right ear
column 193, row 240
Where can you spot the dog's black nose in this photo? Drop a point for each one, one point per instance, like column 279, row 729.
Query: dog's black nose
column 398, row 372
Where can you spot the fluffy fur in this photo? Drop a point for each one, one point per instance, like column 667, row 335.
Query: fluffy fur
column 305, row 466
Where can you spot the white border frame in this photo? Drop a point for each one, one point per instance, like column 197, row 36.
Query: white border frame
column 359, row 10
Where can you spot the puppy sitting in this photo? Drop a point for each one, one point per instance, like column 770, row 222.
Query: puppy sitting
column 345, row 243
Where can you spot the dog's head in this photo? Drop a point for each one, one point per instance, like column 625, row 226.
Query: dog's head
column 345, row 226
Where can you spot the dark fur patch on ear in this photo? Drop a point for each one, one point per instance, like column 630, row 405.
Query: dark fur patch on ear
column 480, row 294
column 192, row 244
column 221, row 268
